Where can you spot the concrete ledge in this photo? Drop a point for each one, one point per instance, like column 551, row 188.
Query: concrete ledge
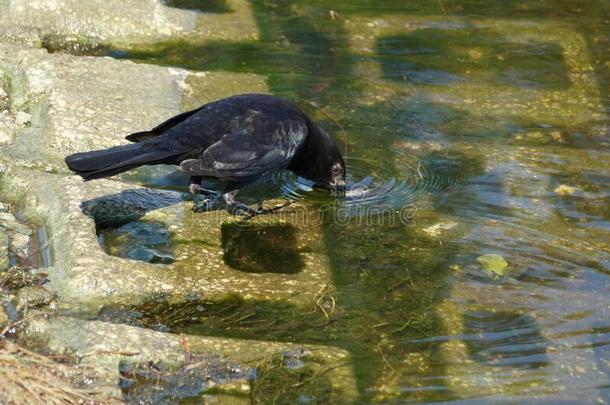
column 118, row 22
column 85, row 103
column 104, row 346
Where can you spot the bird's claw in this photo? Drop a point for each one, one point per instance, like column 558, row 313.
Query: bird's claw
column 241, row 209
column 204, row 205
column 248, row 212
column 209, row 201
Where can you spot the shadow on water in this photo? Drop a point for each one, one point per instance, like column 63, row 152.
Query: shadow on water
column 421, row 57
column 260, row 248
column 505, row 339
column 207, row 6
column 114, row 210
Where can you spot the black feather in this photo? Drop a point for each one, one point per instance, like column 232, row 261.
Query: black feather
column 235, row 140
column 103, row 163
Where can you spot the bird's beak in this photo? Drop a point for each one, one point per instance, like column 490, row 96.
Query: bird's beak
column 338, row 185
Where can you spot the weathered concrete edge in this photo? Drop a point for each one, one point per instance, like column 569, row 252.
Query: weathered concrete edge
column 44, row 198
column 74, row 22
column 89, row 341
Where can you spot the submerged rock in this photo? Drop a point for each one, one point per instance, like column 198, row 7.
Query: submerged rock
column 439, row 228
column 145, row 241
column 30, row 297
column 188, row 366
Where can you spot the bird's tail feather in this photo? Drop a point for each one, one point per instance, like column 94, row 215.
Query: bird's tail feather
column 104, row 163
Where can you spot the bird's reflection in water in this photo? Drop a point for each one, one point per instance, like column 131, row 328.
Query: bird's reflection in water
column 261, row 248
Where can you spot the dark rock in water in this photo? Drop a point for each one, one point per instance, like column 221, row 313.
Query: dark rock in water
column 156, row 383
column 149, row 255
column 145, row 241
column 120, row 315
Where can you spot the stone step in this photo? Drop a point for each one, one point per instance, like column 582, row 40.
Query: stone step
column 85, row 103
column 120, row 22
column 238, row 371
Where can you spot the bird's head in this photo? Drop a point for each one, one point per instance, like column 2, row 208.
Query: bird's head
column 330, row 169
column 332, row 174
column 321, row 162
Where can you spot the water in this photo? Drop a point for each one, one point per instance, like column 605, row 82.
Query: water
column 489, row 120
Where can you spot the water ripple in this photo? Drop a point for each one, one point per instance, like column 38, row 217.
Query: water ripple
column 412, row 180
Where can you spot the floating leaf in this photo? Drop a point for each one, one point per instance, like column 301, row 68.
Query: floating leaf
column 493, row 265
column 564, row 189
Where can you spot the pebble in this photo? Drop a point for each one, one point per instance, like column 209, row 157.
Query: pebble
column 8, row 221
column 32, row 297
column 23, row 118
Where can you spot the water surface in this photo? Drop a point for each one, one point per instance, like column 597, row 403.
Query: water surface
column 489, row 119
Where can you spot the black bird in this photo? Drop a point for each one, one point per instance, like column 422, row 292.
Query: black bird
column 235, row 140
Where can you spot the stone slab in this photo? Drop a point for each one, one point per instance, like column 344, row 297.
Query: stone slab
column 85, row 103
column 105, row 346
column 86, row 278
column 119, row 22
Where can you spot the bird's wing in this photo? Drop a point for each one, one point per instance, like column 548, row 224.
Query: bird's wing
column 243, row 156
column 161, row 128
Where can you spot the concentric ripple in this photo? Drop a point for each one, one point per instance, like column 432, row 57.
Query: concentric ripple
column 403, row 179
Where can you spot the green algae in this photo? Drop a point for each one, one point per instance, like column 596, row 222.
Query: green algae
column 290, row 378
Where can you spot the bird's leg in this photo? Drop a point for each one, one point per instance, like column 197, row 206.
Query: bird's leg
column 236, row 208
column 196, row 187
column 195, row 184
column 209, row 202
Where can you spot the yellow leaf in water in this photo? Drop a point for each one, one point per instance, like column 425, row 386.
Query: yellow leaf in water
column 564, row 189
column 492, row 264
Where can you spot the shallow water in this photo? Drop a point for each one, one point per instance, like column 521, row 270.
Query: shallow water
column 489, row 122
